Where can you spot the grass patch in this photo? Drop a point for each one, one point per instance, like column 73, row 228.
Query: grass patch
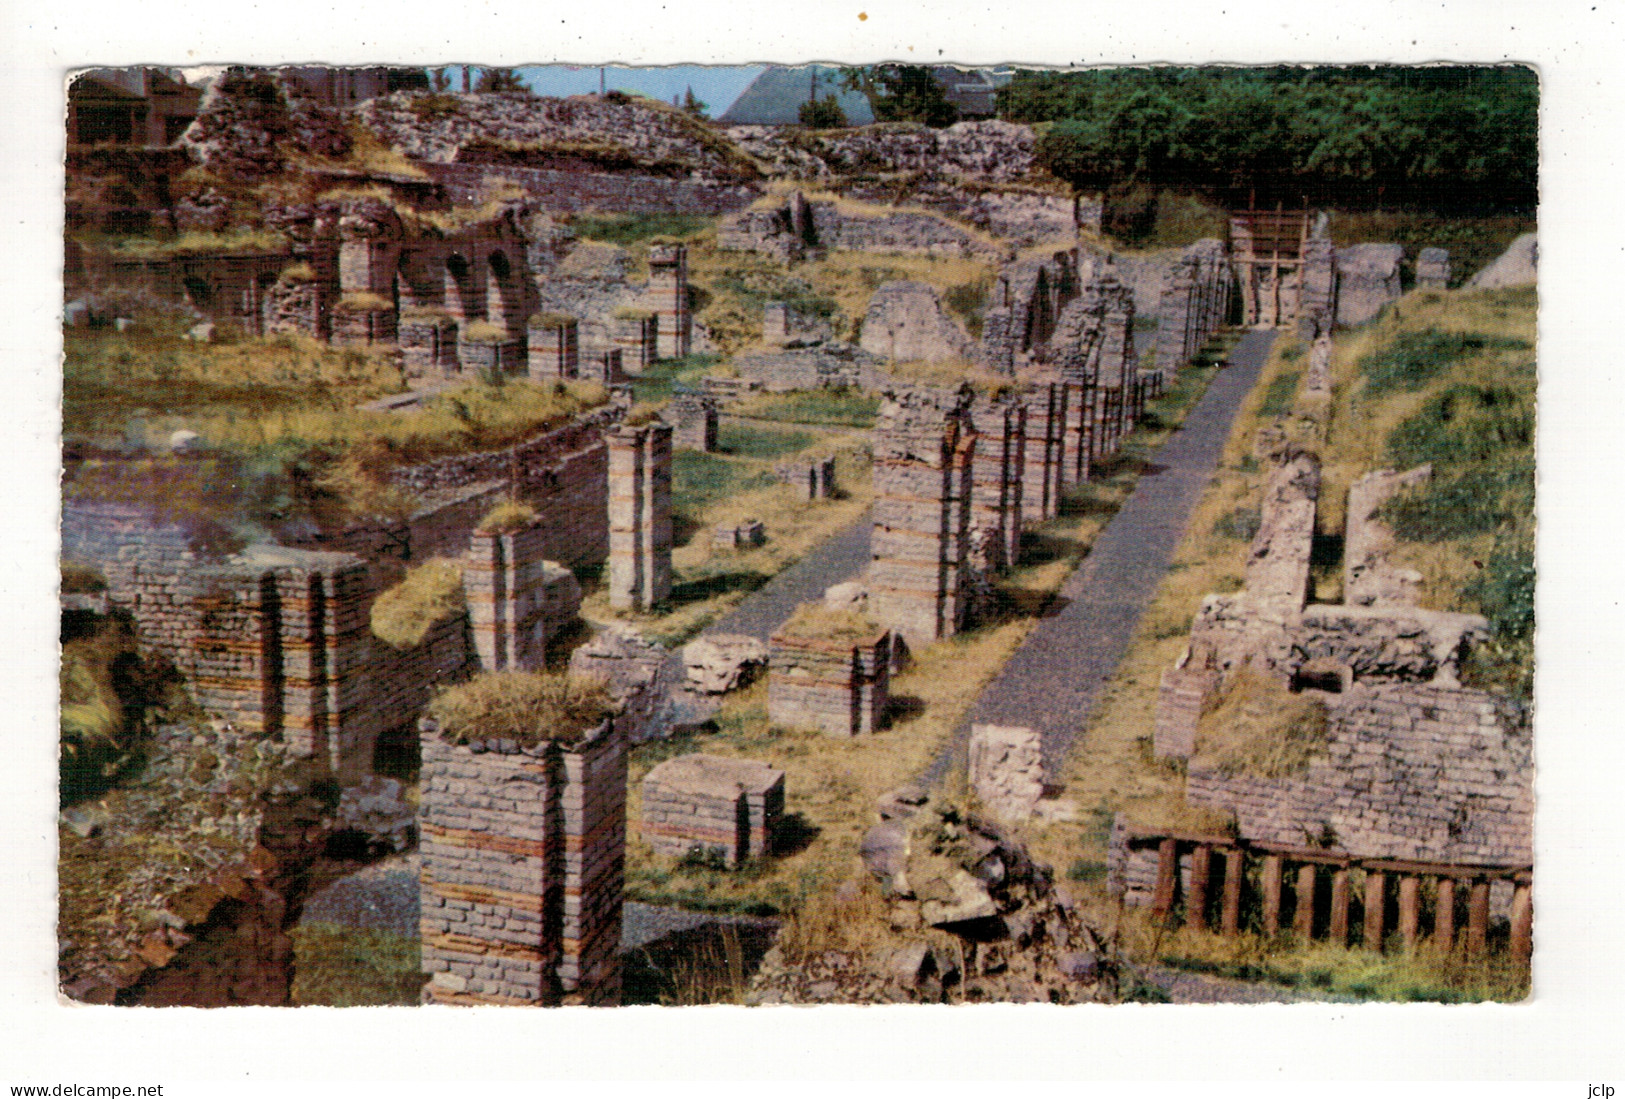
column 507, row 517
column 1260, row 729
column 831, row 407
column 816, row 622
column 1279, row 393
column 1413, row 359
column 336, row 966
column 429, row 594
column 748, row 441
column 699, row 479
column 527, row 707
column 658, row 381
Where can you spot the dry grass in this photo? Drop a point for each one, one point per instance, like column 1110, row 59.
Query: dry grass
column 816, row 622
column 1259, row 728
column 195, row 242
column 507, row 517
column 429, row 594
column 526, row 707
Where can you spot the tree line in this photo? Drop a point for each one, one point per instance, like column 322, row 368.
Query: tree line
column 1443, row 138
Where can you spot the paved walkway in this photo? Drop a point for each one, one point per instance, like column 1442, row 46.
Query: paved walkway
column 1053, row 680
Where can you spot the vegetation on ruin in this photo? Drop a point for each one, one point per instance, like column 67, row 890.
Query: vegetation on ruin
column 624, row 229
column 836, row 625
column 108, row 690
column 746, row 440
column 190, row 243
column 1259, row 728
column 528, row 708
column 1363, row 137
column 426, row 596
column 831, row 407
column 507, row 517
column 338, row 966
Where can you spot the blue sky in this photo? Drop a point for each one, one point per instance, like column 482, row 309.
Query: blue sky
column 716, row 85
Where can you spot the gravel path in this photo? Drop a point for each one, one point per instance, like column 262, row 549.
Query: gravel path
column 1183, row 987
column 1052, row 681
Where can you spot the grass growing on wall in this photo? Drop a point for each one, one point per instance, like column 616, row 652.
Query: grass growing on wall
column 430, row 593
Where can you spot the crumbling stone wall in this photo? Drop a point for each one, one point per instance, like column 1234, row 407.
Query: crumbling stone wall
column 789, row 230
column 924, row 447
column 712, row 805
column 1278, row 562
column 1090, row 352
column 553, row 348
column 841, row 688
column 1007, row 769
column 523, row 868
column 561, row 192
column 829, row 365
column 639, row 675
column 1408, row 771
column 1195, row 302
column 693, row 417
column 1369, row 578
column 905, row 322
column 1024, row 309
column 640, row 528
column 516, row 598
column 1367, row 280
column 1433, row 269
column 810, row 478
column 1317, row 300
column 667, row 298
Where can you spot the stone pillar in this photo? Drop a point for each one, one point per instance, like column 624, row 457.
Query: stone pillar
column 633, row 333
column 1272, row 895
column 667, row 298
column 521, row 894
column 505, row 584
column 639, row 516
column 1376, row 883
column 693, row 417
column 1303, row 915
column 1196, row 903
column 1410, row 909
column 553, row 347
column 1162, row 901
column 1432, row 269
column 1338, row 933
column 1234, row 875
column 838, row 686
column 1044, row 429
column 923, row 452
column 996, row 494
column 775, row 324
column 1444, row 915
column 1523, row 922
column 1478, row 918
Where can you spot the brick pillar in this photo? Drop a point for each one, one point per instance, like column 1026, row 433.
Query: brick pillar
column 553, row 351
column 1444, row 915
column 594, row 812
column 504, row 583
column 639, row 516
column 924, row 450
column 1162, row 901
column 304, row 661
column 1044, row 429
column 1375, row 897
column 996, row 493
column 667, row 298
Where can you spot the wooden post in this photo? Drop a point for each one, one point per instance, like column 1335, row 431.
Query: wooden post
column 1303, row 916
column 1444, row 915
column 1272, row 894
column 1410, row 909
column 1162, row 902
column 1478, row 917
column 1375, row 883
column 1196, row 903
column 1231, row 922
column 1523, row 921
column 1339, row 931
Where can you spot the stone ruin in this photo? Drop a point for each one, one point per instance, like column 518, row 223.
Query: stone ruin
column 721, row 662
column 523, row 866
column 693, row 417
column 907, row 323
column 712, row 807
column 638, row 674
column 640, row 528
column 835, row 682
column 809, row 478
column 1369, row 577
column 1367, row 280
column 1195, row 304
column 792, row 229
column 1006, row 769
column 745, row 534
column 924, row 449
column 1432, row 269
column 1023, row 309
column 998, row 475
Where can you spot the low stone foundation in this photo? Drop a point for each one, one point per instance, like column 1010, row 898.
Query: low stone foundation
column 693, row 417
column 712, row 806
column 835, row 687
column 810, row 478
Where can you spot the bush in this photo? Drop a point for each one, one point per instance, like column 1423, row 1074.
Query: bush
column 527, row 707
column 822, row 114
column 429, row 594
